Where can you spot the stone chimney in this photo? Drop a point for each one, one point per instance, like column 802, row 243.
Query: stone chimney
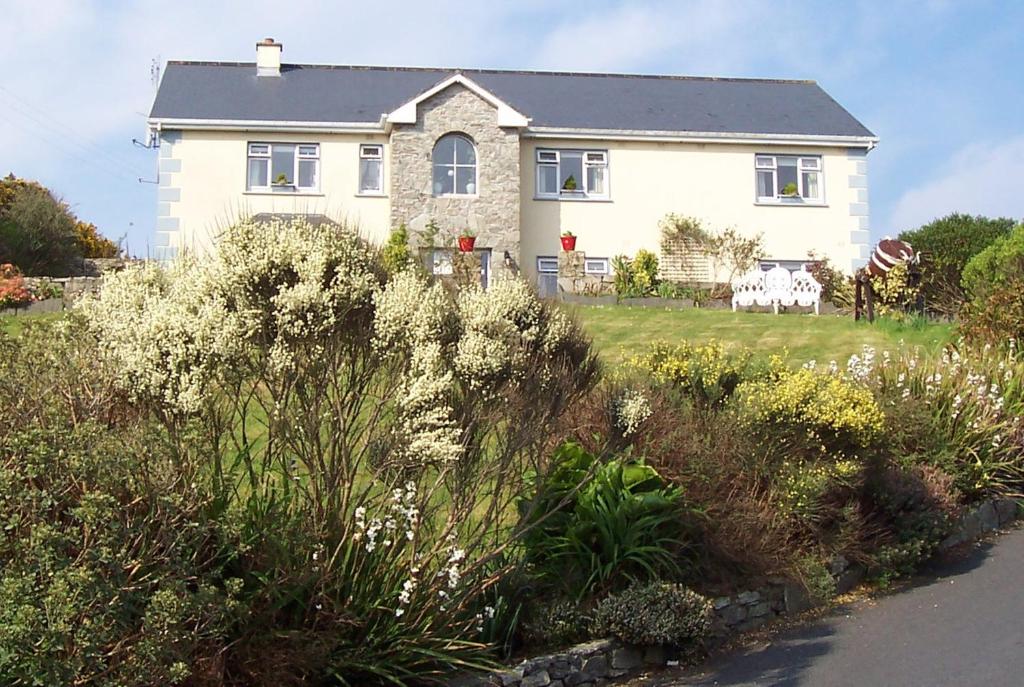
column 268, row 58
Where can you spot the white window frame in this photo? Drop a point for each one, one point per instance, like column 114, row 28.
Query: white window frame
column 547, row 264
column 371, row 151
column 552, row 158
column 264, row 150
column 455, row 166
column 596, row 266
column 769, row 162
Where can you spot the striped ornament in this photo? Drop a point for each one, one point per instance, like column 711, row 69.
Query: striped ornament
column 887, row 254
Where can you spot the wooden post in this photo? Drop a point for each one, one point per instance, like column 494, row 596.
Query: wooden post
column 870, row 299
column 858, row 298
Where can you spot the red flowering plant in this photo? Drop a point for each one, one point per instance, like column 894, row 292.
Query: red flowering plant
column 13, row 291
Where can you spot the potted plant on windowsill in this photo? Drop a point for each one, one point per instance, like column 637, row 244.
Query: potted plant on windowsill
column 571, row 187
column 467, row 240
column 568, row 241
column 790, row 192
column 281, row 183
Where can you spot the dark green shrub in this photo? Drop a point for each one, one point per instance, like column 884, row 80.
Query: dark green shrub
column 557, row 623
column 610, row 524
column 110, row 570
column 654, row 614
column 916, row 505
column 994, row 281
column 946, row 245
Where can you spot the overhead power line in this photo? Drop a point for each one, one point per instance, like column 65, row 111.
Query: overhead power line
column 65, row 133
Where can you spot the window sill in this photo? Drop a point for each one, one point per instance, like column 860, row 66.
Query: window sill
column 457, row 196
column 569, row 199
column 791, row 204
column 371, row 195
column 285, row 194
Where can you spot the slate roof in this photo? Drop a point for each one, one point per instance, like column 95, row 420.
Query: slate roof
column 318, row 93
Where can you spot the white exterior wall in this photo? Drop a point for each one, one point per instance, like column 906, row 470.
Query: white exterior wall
column 712, row 181
column 203, row 182
column 203, row 186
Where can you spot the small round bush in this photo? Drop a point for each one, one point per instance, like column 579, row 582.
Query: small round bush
column 654, row 614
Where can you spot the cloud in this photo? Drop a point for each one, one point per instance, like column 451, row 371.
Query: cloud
column 979, row 179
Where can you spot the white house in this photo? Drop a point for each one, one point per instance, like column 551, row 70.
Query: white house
column 516, row 156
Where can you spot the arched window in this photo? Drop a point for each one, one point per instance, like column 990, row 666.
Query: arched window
column 454, row 166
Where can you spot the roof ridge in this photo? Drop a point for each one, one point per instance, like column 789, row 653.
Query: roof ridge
column 472, row 70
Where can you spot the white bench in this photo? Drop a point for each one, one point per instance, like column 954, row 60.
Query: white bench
column 778, row 286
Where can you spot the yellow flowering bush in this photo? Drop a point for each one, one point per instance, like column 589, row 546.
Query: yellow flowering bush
column 894, row 291
column 706, row 373
column 825, row 412
column 801, row 484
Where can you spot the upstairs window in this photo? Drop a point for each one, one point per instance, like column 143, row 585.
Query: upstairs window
column 284, row 167
column 577, row 174
column 371, row 170
column 454, row 161
column 788, row 178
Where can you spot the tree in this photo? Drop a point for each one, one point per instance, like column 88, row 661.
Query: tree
column 946, row 245
column 37, row 233
column 40, row 234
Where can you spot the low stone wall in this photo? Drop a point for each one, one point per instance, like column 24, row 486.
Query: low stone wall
column 602, row 662
column 592, row 664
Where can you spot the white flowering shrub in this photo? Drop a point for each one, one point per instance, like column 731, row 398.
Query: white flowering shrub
column 959, row 411
column 631, row 409
column 373, row 434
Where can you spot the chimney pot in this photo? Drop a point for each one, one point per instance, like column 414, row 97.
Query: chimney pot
column 268, row 57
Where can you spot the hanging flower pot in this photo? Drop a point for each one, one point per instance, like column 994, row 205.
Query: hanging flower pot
column 466, row 243
column 568, row 241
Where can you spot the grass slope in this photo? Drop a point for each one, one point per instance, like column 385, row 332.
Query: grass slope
column 621, row 331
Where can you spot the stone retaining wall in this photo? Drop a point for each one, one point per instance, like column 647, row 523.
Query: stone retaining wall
column 602, row 662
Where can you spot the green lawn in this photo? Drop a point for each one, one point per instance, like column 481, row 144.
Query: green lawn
column 620, row 331
column 13, row 324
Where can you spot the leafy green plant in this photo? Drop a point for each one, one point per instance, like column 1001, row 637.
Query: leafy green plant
column 946, row 245
column 636, row 277
column 654, row 614
column 570, row 184
column 611, row 523
column 395, row 255
column 790, row 190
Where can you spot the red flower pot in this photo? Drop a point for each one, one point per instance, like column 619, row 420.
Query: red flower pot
column 466, row 243
column 568, row 243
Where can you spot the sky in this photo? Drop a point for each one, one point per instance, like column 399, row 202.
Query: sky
column 940, row 82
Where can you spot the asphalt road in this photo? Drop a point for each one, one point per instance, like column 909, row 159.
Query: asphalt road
column 962, row 624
